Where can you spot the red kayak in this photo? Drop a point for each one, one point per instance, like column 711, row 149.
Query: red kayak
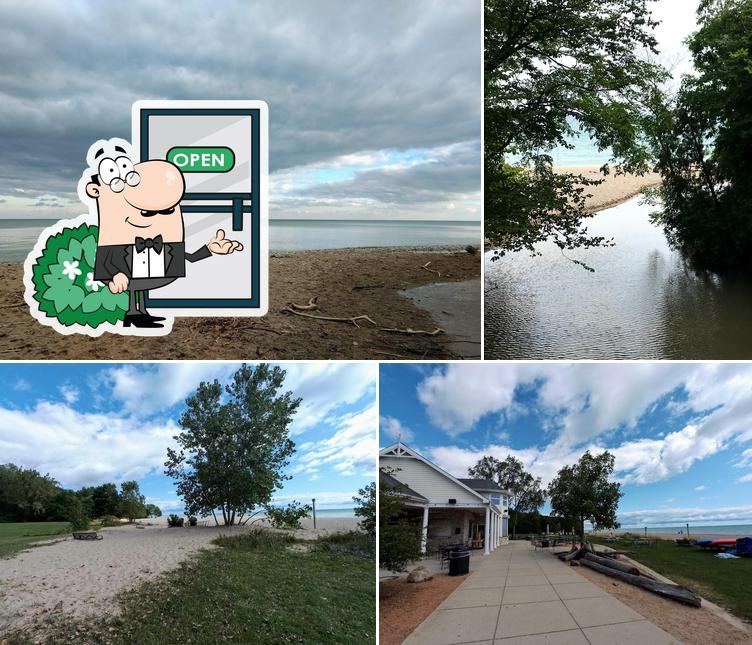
column 723, row 544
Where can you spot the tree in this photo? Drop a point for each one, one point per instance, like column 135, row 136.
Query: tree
column 554, row 68
column 702, row 138
column 132, row 502
column 365, row 508
column 525, row 492
column 70, row 506
column 399, row 535
column 106, row 500
column 152, row 510
column 583, row 492
column 24, row 493
column 233, row 450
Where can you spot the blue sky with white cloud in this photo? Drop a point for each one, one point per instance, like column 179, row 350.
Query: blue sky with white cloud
column 86, row 424
column 374, row 107
column 681, row 433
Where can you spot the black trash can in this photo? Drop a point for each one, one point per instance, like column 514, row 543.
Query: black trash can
column 459, row 561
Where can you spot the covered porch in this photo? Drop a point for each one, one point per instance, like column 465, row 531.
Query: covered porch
column 481, row 526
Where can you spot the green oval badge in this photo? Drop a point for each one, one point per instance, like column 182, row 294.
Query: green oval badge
column 202, row 159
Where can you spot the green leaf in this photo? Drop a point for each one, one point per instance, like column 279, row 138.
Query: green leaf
column 92, row 302
column 89, row 246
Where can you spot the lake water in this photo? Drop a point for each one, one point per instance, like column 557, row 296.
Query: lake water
column 17, row 236
column 642, row 302
column 718, row 529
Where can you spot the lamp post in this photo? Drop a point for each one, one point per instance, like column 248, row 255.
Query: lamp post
column 314, row 513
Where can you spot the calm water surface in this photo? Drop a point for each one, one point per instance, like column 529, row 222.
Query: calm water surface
column 642, row 302
column 17, row 237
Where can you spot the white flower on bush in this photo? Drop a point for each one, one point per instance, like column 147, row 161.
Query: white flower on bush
column 92, row 283
column 71, row 269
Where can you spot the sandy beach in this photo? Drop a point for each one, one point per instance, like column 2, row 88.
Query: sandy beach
column 81, row 577
column 347, row 283
column 720, row 535
column 615, row 189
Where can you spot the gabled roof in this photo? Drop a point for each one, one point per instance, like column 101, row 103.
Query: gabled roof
column 401, row 450
column 482, row 484
column 402, row 489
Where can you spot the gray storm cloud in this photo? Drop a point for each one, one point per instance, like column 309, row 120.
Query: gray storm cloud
column 339, row 78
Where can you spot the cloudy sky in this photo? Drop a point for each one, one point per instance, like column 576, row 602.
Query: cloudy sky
column 374, row 107
column 86, row 424
column 681, row 433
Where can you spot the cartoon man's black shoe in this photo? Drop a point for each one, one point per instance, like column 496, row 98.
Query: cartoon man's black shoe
column 140, row 320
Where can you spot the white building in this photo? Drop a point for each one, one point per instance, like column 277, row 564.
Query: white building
column 468, row 511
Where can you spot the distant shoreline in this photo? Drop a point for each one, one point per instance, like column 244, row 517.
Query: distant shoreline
column 615, row 189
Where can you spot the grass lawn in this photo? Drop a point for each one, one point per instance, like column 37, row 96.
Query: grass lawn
column 255, row 588
column 16, row 536
column 724, row 582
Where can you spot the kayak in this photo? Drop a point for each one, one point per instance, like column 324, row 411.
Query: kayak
column 723, row 544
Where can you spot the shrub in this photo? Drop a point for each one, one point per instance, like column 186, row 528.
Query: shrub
column 287, row 517
column 63, row 278
column 365, row 507
column 255, row 539
column 111, row 520
column 174, row 520
column 355, row 543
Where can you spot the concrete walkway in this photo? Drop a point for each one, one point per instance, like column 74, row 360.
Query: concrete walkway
column 519, row 595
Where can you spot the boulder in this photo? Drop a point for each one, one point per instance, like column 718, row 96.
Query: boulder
column 419, row 574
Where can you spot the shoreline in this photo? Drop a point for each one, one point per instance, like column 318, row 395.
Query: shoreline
column 673, row 536
column 615, row 189
column 347, row 283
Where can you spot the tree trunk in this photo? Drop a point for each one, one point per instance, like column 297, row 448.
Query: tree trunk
column 216, row 523
column 614, row 564
column 674, row 592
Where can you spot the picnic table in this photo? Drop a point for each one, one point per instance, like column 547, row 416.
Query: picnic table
column 87, row 535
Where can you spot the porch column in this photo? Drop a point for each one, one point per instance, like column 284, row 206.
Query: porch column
column 493, row 530
column 487, row 532
column 496, row 530
column 424, row 531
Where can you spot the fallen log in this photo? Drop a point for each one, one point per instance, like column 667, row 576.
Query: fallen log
column 674, row 592
column 574, row 554
column 615, row 564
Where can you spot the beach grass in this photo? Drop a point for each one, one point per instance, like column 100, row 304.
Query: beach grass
column 724, row 582
column 261, row 587
column 17, row 536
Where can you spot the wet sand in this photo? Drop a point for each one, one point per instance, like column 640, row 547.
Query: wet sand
column 347, row 282
column 614, row 190
column 455, row 306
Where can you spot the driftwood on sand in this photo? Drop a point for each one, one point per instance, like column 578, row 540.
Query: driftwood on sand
column 353, row 319
column 606, row 563
column 674, row 592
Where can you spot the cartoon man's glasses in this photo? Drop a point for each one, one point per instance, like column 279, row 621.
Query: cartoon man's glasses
column 118, row 172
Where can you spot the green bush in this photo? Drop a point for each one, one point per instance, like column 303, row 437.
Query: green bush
column 63, row 278
column 356, row 543
column 174, row 520
column 287, row 517
column 255, row 539
column 111, row 520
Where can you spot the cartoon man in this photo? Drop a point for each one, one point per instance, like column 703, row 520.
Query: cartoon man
column 141, row 237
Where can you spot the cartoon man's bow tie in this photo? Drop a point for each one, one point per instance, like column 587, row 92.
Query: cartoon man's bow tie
column 149, row 243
